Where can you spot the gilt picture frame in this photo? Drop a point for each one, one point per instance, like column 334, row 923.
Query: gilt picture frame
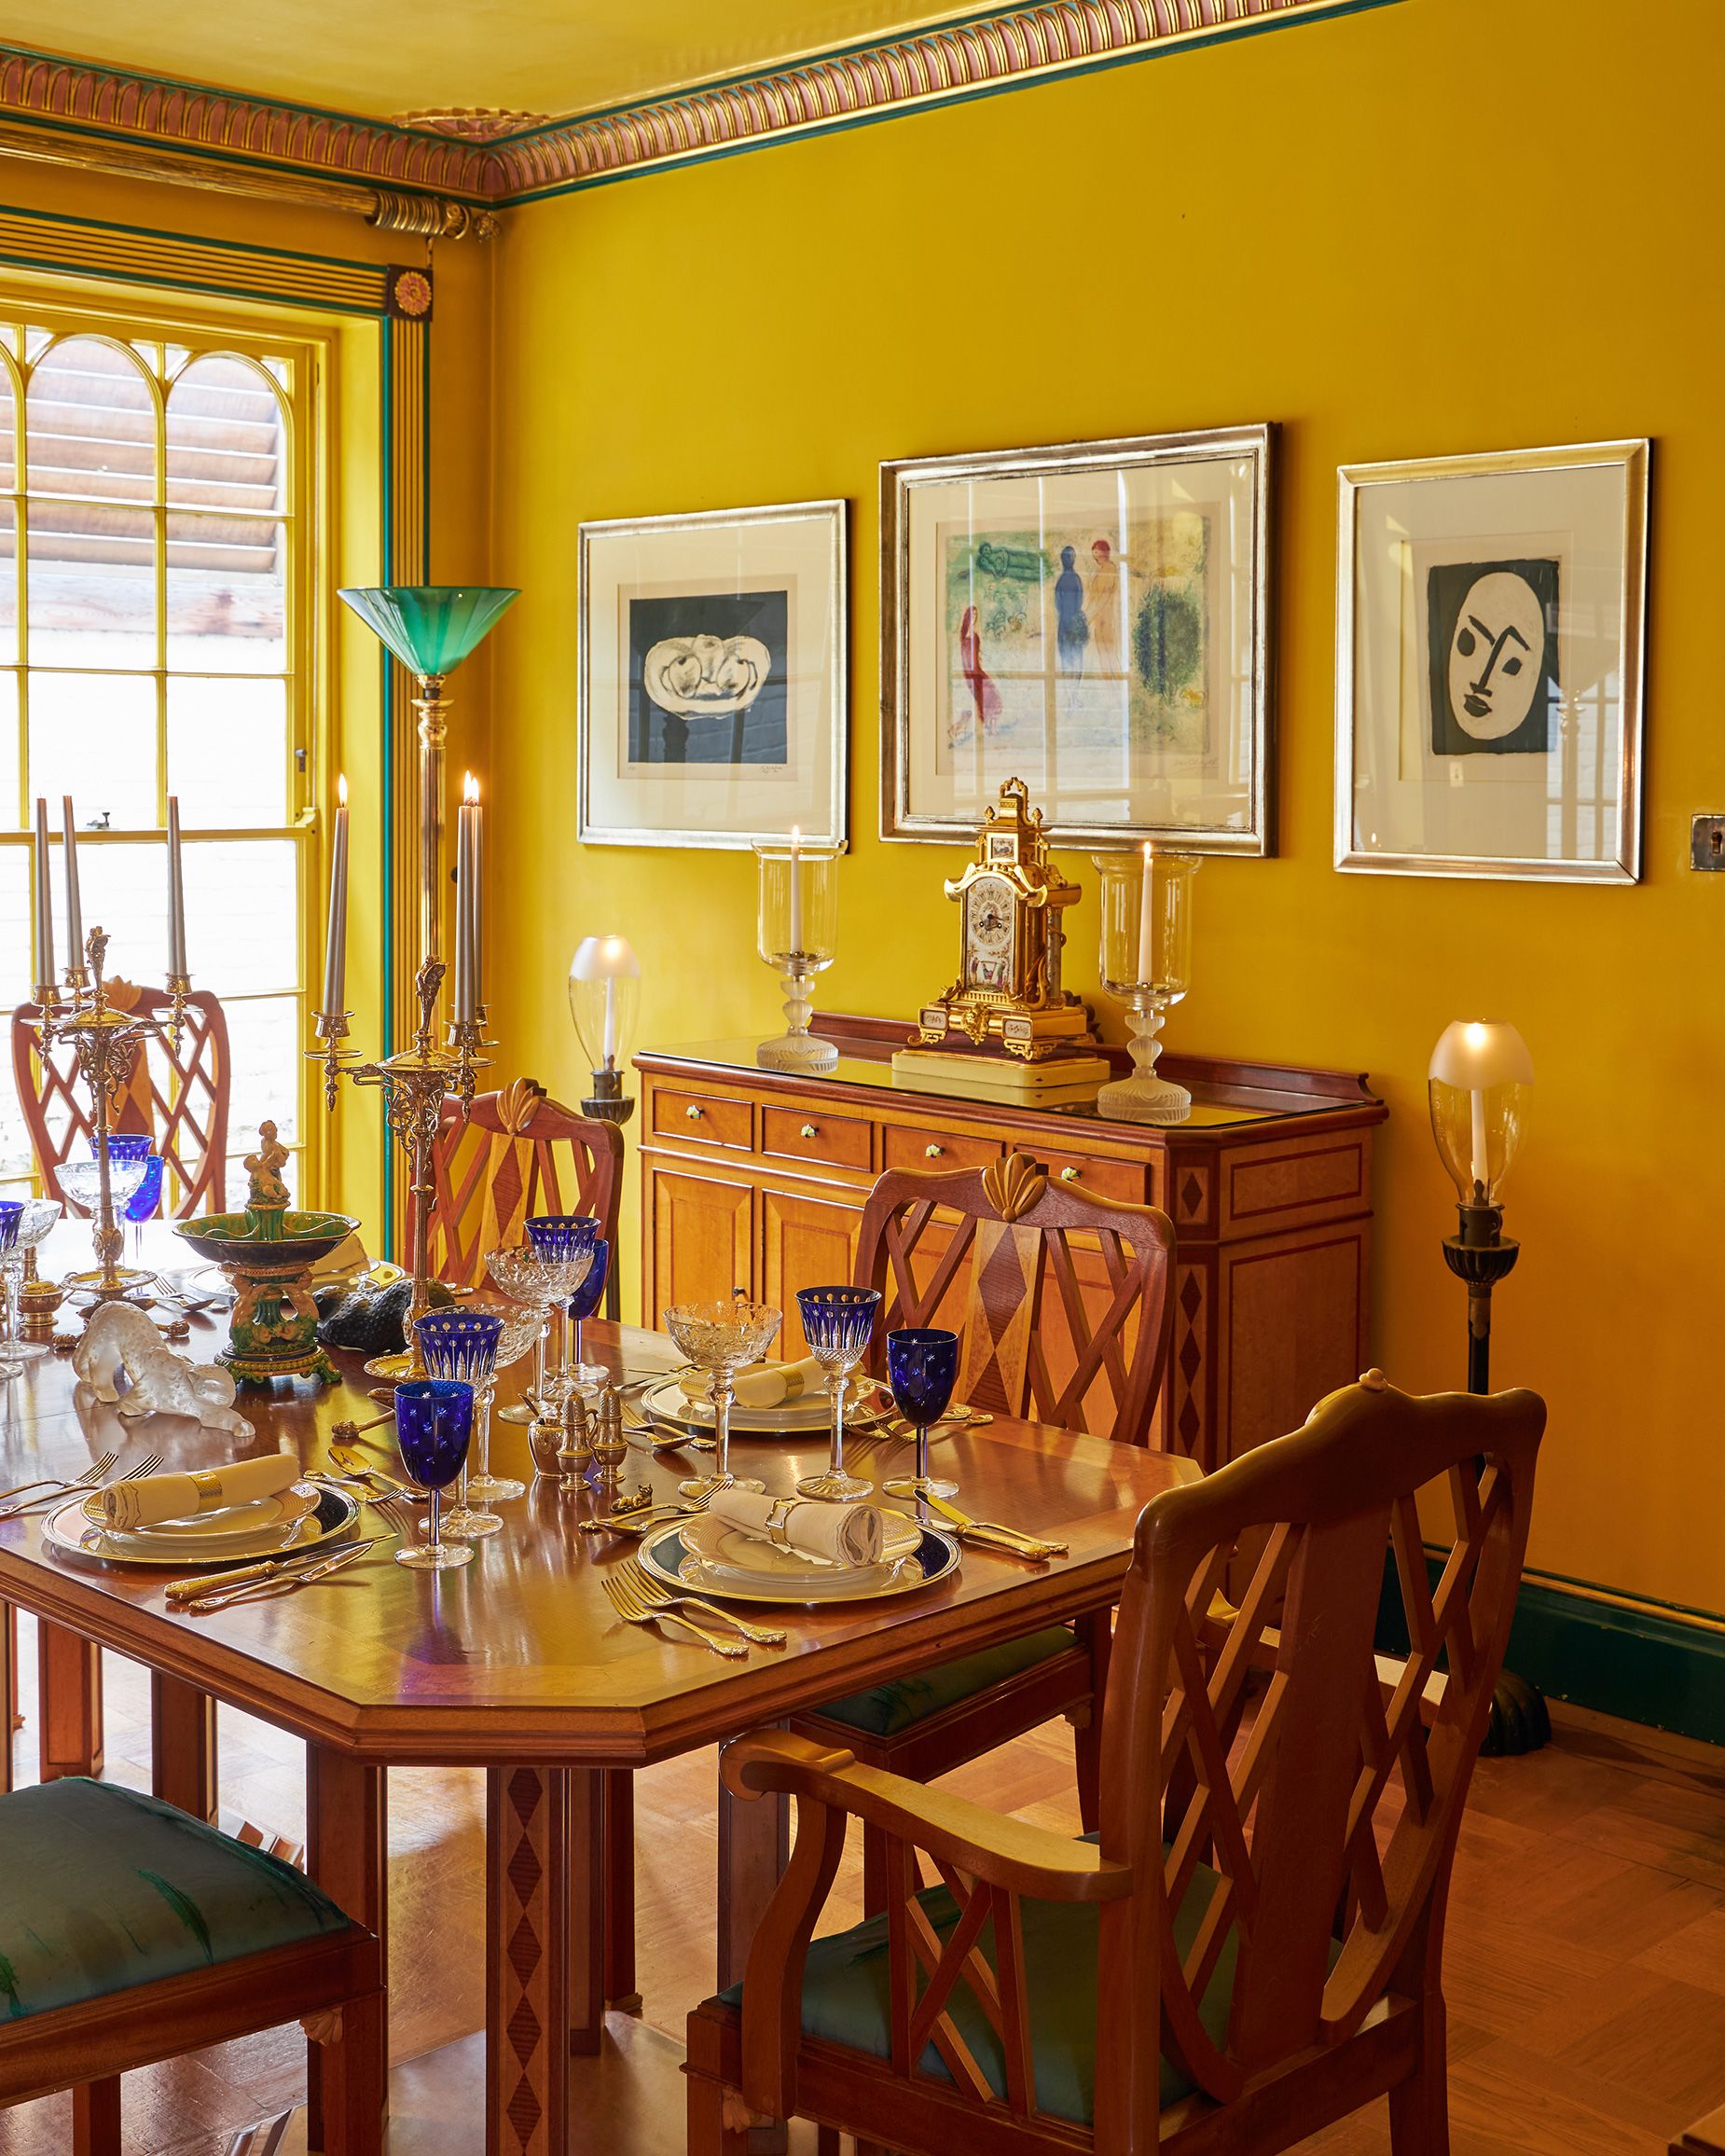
column 1093, row 617
column 1490, row 630
column 714, row 677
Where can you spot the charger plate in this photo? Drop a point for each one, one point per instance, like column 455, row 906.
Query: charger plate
column 71, row 1531
column 805, row 1418
column 666, row 1554
column 217, row 1533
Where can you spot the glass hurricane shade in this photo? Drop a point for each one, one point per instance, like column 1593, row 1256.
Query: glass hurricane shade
column 431, row 628
column 1480, row 1080
column 797, row 910
column 1146, row 944
column 604, row 994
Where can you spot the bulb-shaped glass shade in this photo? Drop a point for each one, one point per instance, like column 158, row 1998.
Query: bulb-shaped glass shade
column 1146, row 934
column 431, row 628
column 604, row 993
column 1480, row 1080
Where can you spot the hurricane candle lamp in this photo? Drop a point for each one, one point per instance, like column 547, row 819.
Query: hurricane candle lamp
column 1146, row 964
column 605, row 996
column 796, row 933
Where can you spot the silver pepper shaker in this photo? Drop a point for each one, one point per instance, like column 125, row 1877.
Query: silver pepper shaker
column 610, row 1446
column 576, row 1455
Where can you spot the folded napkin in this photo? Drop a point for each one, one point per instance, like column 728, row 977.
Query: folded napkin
column 831, row 1534
column 762, row 1385
column 178, row 1496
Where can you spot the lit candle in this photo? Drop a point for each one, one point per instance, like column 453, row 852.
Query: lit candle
column 797, row 888
column 75, row 905
column 335, row 935
column 45, row 903
column 1476, row 1100
column 466, row 906
column 1147, row 920
column 177, row 893
column 611, row 1022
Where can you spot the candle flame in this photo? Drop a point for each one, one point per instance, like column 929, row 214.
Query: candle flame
column 1150, row 853
column 796, row 836
column 470, row 787
column 1475, row 1034
column 341, row 791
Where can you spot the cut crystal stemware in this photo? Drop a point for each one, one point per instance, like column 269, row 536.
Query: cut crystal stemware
column 836, row 1323
column 722, row 1338
column 542, row 1283
column 41, row 1215
column 462, row 1345
column 433, row 1421
column 922, row 1366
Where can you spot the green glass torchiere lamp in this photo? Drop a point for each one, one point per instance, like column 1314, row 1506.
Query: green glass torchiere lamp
column 431, row 629
column 1480, row 1082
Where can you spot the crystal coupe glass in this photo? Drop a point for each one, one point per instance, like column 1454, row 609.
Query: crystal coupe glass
column 564, row 1240
column 433, row 1421
column 836, row 1323
column 462, row 1345
column 922, row 1367
column 722, row 1338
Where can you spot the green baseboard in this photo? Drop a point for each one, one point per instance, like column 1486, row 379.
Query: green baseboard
column 1654, row 1664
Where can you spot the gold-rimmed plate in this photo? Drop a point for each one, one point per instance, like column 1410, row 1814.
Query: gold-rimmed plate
column 69, row 1530
column 668, row 1404
column 667, row 1557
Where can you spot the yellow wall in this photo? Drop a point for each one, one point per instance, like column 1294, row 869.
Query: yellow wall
column 1446, row 225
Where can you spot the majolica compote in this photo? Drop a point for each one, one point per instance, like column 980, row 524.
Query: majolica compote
column 722, row 1338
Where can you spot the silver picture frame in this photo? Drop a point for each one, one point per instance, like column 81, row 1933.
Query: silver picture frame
column 1542, row 779
column 750, row 607
column 1208, row 795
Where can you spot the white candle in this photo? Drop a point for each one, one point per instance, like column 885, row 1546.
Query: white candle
column 176, row 893
column 466, row 909
column 796, row 888
column 1476, row 1100
column 45, row 903
column 75, row 904
column 611, row 1022
column 335, row 935
column 1147, row 920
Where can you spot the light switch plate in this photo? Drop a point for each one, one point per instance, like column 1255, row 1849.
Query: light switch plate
column 1706, row 842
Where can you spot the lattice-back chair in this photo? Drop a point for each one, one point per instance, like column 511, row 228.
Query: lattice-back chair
column 1259, row 1925
column 179, row 1096
column 1061, row 1298
column 517, row 1153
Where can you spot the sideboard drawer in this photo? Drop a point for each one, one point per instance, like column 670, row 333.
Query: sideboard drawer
column 937, row 1150
column 1116, row 1179
column 835, row 1140
column 703, row 1118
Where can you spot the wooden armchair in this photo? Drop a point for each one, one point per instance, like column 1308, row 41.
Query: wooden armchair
column 1252, row 1947
column 180, row 1097
column 1061, row 1300
column 517, row 1153
column 130, row 1933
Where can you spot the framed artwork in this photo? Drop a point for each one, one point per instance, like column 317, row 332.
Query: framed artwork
column 1489, row 636
column 1093, row 619
column 713, row 677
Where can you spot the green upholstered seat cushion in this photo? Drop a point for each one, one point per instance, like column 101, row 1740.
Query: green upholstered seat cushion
column 101, row 1888
column 891, row 1709
column 846, row 1990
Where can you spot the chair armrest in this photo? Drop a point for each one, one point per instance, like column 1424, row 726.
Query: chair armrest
column 1005, row 1852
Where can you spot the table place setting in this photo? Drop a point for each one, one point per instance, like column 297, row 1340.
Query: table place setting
column 262, row 1506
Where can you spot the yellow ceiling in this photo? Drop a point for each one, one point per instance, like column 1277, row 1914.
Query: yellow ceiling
column 382, row 57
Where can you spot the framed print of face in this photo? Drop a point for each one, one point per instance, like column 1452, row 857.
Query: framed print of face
column 713, row 677
column 1092, row 618
column 1488, row 664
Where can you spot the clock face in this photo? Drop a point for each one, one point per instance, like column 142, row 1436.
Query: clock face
column 990, row 915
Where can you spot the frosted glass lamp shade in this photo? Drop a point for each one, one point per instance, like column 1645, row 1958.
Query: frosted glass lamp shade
column 605, row 995
column 431, row 628
column 1480, row 1081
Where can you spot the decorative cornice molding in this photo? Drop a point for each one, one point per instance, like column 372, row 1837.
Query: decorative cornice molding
column 417, row 179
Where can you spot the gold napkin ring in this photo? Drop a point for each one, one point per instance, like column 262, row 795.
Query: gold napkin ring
column 777, row 1516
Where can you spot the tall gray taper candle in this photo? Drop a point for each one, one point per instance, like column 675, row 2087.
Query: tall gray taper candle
column 75, row 903
column 45, row 903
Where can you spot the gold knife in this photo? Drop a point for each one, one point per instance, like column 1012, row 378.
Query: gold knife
column 260, row 1589
column 201, row 1583
column 1030, row 1545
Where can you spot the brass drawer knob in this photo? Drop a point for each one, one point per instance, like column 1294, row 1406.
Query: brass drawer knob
column 933, row 1152
column 694, row 1111
column 1069, row 1175
column 808, row 1130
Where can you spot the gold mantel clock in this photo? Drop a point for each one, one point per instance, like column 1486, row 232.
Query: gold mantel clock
column 1008, row 994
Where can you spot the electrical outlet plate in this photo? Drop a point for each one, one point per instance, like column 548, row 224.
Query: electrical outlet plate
column 1706, row 842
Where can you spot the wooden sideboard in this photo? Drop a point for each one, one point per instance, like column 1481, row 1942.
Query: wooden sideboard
column 755, row 1179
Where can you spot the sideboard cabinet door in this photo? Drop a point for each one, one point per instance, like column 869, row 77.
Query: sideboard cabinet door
column 703, row 1238
column 806, row 1242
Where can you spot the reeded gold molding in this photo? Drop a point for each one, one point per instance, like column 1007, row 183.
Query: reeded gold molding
column 472, row 123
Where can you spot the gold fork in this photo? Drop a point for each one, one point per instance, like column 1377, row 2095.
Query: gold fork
column 147, row 1465
column 656, row 1597
column 633, row 1611
column 60, row 1484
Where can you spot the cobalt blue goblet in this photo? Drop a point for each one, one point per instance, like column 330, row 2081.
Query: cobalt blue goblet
column 836, row 1323
column 433, row 1421
column 584, row 1303
column 462, row 1344
column 922, row 1367
column 565, row 1242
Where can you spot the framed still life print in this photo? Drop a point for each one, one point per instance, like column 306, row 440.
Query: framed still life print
column 713, row 677
column 1093, row 619
column 1489, row 664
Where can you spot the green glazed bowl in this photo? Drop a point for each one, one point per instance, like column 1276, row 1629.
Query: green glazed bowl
column 229, row 1238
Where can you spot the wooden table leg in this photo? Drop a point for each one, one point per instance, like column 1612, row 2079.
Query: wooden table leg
column 620, row 1993
column 69, row 1687
column 347, row 1852
column 183, row 1761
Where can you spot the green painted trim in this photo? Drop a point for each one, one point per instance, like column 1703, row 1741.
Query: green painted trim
column 386, row 1020
column 1652, row 1664
column 1105, row 64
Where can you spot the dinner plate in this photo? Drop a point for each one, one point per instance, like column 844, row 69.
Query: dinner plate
column 217, row 1532
column 667, row 1555
column 668, row 1404
column 70, row 1530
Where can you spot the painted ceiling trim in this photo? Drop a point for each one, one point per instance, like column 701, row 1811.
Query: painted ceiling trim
column 111, row 113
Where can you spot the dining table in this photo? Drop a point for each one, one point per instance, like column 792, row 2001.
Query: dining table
column 518, row 1664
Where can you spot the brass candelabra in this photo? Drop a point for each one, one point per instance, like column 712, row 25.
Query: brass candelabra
column 106, row 1042
column 415, row 1082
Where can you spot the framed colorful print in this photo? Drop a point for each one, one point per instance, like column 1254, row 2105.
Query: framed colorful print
column 1489, row 637
column 1093, row 619
column 713, row 677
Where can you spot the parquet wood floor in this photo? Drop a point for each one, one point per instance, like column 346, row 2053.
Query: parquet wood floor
column 1586, row 1969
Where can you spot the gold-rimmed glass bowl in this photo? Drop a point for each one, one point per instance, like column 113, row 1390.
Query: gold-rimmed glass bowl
column 722, row 1338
